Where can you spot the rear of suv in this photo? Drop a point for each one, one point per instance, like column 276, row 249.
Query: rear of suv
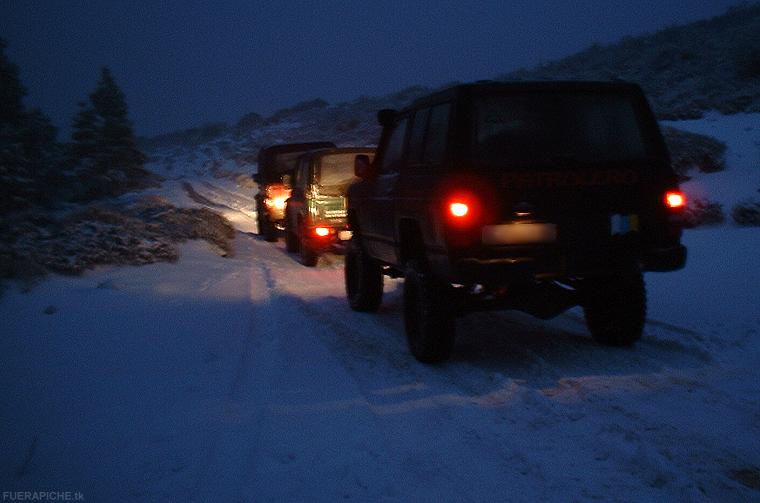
column 276, row 166
column 315, row 213
column 534, row 196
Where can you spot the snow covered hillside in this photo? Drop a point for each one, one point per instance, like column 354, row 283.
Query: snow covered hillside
column 248, row 378
column 741, row 181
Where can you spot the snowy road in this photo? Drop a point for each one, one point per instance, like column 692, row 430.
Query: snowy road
column 249, row 379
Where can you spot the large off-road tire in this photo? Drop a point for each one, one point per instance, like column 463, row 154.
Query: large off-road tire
column 615, row 307
column 260, row 219
column 364, row 278
column 269, row 231
column 291, row 238
column 428, row 317
column 309, row 257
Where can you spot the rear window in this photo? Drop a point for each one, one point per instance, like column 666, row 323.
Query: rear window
column 557, row 128
column 335, row 173
column 282, row 164
column 435, row 143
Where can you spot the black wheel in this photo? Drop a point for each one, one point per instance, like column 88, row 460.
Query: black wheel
column 291, row 238
column 269, row 231
column 260, row 218
column 309, row 257
column 428, row 317
column 364, row 278
column 615, row 307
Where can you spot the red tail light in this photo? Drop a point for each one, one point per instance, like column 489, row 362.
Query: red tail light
column 675, row 200
column 459, row 209
column 321, row 231
column 463, row 210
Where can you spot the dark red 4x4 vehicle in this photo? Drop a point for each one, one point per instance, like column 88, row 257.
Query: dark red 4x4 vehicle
column 535, row 196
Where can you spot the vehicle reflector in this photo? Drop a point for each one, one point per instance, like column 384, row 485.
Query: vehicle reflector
column 459, row 209
column 321, row 231
column 675, row 200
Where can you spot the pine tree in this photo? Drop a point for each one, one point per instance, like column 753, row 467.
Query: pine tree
column 116, row 140
column 12, row 92
column 104, row 148
column 85, row 134
column 27, row 144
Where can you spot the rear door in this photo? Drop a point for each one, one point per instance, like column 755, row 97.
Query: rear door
column 380, row 228
column 297, row 201
column 423, row 167
column 582, row 160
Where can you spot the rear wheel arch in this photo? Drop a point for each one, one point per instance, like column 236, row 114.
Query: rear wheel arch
column 411, row 243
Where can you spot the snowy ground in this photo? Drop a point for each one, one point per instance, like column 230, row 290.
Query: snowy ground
column 249, row 379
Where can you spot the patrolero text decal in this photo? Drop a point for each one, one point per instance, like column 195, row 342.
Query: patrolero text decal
column 583, row 178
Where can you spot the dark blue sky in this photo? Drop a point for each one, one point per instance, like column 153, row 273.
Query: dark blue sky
column 182, row 62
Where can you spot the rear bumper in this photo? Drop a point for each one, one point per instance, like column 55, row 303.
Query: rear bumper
column 331, row 242
column 550, row 263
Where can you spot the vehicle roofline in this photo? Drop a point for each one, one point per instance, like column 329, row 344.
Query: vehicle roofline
column 516, row 85
column 313, row 154
column 290, row 147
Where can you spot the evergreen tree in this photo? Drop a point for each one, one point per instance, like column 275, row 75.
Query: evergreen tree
column 85, row 135
column 104, row 148
column 12, row 92
column 11, row 151
column 116, row 140
column 27, row 144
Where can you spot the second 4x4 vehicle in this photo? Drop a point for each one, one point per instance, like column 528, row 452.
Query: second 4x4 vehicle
column 275, row 171
column 315, row 214
column 534, row 196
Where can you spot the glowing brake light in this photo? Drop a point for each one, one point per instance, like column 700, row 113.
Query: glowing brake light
column 458, row 209
column 321, row 231
column 675, row 200
column 277, row 202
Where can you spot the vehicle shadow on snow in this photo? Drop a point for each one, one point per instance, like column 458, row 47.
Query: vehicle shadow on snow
column 514, row 344
column 506, row 342
column 541, row 352
column 329, row 259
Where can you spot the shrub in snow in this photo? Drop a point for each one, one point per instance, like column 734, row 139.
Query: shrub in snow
column 694, row 151
column 747, row 213
column 147, row 231
column 700, row 212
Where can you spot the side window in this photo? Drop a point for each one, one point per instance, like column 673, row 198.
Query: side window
column 417, row 137
column 395, row 147
column 435, row 141
column 302, row 175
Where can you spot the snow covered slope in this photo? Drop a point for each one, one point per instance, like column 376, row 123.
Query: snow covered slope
column 741, row 179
